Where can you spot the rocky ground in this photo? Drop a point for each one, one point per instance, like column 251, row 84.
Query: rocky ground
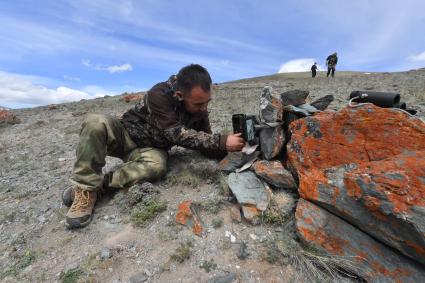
column 36, row 158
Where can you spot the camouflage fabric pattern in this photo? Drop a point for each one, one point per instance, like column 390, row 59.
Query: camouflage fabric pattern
column 145, row 132
column 161, row 121
column 103, row 135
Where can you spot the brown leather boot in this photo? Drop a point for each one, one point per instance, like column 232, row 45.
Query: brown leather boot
column 80, row 213
column 68, row 193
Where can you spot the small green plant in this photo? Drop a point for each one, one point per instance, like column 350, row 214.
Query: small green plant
column 71, row 276
column 7, row 216
column 211, row 205
column 183, row 252
column 274, row 216
column 223, row 187
column 217, row 222
column 186, row 178
column 26, row 260
column 147, row 211
column 208, row 265
column 23, row 261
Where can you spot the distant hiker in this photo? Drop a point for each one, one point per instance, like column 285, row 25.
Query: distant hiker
column 313, row 70
column 331, row 62
column 171, row 113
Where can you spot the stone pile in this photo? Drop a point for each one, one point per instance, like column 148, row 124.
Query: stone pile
column 254, row 190
column 360, row 173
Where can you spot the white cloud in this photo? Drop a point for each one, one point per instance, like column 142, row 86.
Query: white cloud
column 121, row 68
column 19, row 89
column 71, row 79
column 418, row 57
column 110, row 69
column 298, row 65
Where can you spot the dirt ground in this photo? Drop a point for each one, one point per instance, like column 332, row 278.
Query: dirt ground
column 37, row 156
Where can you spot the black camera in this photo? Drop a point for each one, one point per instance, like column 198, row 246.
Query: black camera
column 244, row 124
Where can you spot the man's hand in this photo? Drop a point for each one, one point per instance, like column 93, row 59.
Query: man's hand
column 234, row 142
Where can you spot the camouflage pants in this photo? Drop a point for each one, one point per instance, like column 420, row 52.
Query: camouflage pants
column 103, row 135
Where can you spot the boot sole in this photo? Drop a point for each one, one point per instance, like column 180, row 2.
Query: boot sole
column 75, row 223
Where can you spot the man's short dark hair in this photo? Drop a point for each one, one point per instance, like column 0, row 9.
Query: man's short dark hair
column 191, row 76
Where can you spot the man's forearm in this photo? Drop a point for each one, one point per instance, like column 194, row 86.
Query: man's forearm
column 193, row 139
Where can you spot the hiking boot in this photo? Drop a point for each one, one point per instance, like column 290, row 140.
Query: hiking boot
column 68, row 196
column 68, row 193
column 80, row 213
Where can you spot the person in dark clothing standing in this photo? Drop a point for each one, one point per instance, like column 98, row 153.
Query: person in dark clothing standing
column 331, row 62
column 313, row 70
column 173, row 112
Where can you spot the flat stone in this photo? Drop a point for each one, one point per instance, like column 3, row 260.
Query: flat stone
column 274, row 173
column 138, row 277
column 249, row 189
column 228, row 278
column 105, row 253
column 271, row 141
column 294, row 97
column 366, row 257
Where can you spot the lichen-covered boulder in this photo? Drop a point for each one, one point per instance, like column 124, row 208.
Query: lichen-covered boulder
column 136, row 97
column 7, row 117
column 366, row 165
column 358, row 252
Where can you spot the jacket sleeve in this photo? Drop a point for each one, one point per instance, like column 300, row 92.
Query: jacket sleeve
column 193, row 139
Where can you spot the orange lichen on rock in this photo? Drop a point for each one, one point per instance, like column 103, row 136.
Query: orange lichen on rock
column 133, row 97
column 8, row 117
column 372, row 260
column 366, row 165
column 354, row 136
column 183, row 212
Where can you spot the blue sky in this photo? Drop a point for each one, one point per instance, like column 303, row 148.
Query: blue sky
column 57, row 51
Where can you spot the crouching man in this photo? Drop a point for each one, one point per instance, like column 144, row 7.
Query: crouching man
column 172, row 113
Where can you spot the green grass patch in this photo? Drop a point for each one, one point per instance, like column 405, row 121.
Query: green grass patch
column 211, row 205
column 217, row 222
column 147, row 211
column 23, row 261
column 183, row 252
column 223, row 187
column 186, row 178
column 71, row 276
column 208, row 265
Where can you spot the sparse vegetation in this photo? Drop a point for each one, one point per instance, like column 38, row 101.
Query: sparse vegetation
column 185, row 178
column 22, row 262
column 183, row 252
column 223, row 187
column 71, row 276
column 7, row 216
column 273, row 215
column 310, row 264
column 211, row 205
column 208, row 265
column 217, row 222
column 147, row 211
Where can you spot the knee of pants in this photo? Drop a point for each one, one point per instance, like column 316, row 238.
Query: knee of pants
column 158, row 167
column 96, row 118
column 95, row 122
